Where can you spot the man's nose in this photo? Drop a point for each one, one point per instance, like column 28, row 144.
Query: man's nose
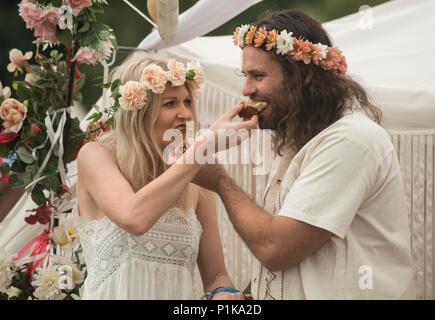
column 248, row 89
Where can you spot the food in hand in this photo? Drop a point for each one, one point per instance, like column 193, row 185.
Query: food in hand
column 251, row 108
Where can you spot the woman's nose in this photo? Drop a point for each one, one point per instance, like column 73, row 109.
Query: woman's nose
column 183, row 112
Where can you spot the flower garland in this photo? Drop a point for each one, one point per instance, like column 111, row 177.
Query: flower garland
column 39, row 137
column 134, row 94
column 299, row 49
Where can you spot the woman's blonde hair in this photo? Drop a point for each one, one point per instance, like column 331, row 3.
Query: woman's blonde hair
column 138, row 153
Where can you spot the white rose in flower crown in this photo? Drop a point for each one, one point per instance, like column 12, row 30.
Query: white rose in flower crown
column 241, row 36
column 13, row 113
column 154, row 78
column 134, row 95
column 284, row 42
column 199, row 72
column 176, row 73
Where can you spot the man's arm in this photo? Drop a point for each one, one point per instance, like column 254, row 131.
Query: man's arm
column 277, row 242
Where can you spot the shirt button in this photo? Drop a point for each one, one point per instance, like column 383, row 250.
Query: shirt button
column 255, row 280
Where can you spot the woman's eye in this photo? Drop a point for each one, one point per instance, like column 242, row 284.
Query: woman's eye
column 187, row 103
column 170, row 104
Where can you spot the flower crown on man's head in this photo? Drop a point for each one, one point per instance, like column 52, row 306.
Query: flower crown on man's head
column 329, row 59
column 134, row 94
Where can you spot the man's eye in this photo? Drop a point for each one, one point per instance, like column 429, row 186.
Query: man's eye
column 258, row 76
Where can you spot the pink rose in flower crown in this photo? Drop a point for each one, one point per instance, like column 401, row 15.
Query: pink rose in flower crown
column 133, row 95
column 13, row 113
column 86, row 55
column 176, row 73
column 17, row 59
column 154, row 78
column 78, row 5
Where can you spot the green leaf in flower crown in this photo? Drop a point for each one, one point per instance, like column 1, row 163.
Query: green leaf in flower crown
column 25, row 155
column 190, row 74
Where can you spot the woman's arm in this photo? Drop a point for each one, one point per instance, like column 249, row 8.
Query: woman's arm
column 134, row 212
column 210, row 259
column 137, row 212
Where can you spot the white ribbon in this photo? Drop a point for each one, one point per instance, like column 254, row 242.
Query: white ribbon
column 54, row 139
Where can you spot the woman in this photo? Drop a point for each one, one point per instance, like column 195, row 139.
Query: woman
column 142, row 225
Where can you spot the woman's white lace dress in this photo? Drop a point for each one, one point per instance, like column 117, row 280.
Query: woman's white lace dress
column 157, row 265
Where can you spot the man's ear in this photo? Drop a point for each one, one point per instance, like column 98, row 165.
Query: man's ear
column 309, row 77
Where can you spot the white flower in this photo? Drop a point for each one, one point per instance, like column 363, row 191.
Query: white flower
column 176, row 73
column 13, row 292
column 32, row 78
column 284, row 42
column 46, row 281
column 323, row 49
column 106, row 49
column 77, row 275
column 7, row 270
column 64, row 234
column 242, row 32
column 18, row 59
column 5, row 92
column 198, row 70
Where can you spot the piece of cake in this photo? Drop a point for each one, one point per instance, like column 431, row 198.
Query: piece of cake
column 252, row 108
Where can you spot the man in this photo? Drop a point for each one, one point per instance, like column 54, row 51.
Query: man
column 333, row 224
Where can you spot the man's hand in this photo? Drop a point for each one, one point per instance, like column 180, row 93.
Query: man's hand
column 229, row 296
column 209, row 175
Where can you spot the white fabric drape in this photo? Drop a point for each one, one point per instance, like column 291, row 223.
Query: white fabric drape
column 200, row 19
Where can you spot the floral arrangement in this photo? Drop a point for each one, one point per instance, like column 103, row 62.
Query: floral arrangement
column 39, row 138
column 329, row 59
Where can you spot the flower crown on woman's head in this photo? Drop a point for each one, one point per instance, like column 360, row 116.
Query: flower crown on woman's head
column 134, row 94
column 329, row 59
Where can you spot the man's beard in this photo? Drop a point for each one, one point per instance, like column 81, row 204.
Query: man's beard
column 279, row 105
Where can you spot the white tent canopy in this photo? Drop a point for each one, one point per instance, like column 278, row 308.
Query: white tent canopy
column 393, row 60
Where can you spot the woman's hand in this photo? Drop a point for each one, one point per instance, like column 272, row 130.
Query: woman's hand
column 224, row 133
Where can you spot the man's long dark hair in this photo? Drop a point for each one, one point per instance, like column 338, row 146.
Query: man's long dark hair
column 317, row 98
